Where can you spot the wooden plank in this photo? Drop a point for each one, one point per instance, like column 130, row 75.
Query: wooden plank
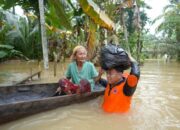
column 29, row 77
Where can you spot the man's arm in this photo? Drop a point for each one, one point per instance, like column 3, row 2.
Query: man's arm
column 135, row 69
column 132, row 80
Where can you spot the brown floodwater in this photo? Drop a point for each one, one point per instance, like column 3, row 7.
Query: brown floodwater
column 14, row 71
column 155, row 105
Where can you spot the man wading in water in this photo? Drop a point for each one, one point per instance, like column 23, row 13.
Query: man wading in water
column 121, row 86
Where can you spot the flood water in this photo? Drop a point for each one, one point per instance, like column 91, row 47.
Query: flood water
column 155, row 105
column 13, row 71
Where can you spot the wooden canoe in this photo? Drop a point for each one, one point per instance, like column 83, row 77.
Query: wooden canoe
column 24, row 100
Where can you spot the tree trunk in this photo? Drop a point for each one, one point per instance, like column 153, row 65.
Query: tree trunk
column 13, row 10
column 125, row 31
column 178, row 40
column 138, row 28
column 43, row 34
column 178, row 56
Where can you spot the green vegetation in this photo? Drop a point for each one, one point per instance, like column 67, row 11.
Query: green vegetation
column 170, row 28
column 70, row 22
column 7, row 51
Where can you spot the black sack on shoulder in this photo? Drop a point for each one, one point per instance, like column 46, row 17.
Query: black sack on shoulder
column 112, row 56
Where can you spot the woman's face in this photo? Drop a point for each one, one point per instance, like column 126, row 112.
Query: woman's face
column 113, row 76
column 81, row 55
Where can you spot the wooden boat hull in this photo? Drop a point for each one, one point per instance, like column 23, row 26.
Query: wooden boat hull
column 24, row 100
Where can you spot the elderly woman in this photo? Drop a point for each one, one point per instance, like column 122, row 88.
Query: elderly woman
column 80, row 71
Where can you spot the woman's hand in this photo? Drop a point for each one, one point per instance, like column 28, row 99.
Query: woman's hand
column 58, row 89
column 101, row 71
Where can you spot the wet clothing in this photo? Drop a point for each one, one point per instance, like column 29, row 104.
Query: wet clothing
column 67, row 87
column 87, row 72
column 117, row 98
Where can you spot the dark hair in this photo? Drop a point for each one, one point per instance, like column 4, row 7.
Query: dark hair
column 119, row 69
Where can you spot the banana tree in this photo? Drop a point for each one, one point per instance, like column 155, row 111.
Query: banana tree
column 62, row 19
column 31, row 5
column 97, row 17
column 23, row 37
column 21, row 33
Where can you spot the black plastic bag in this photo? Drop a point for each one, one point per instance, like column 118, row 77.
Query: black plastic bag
column 112, row 56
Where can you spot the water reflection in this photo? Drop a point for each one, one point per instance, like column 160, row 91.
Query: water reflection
column 155, row 106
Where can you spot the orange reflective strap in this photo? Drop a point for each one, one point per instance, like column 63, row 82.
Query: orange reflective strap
column 132, row 80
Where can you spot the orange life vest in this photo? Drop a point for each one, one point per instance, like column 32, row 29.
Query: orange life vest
column 116, row 100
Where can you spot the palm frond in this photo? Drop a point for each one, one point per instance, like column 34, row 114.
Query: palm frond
column 59, row 11
column 158, row 18
column 167, row 7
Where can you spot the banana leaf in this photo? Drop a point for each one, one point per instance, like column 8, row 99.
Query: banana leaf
column 3, row 54
column 96, row 14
